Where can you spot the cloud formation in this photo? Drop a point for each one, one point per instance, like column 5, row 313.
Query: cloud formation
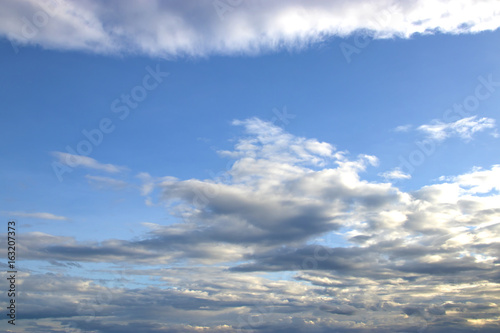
column 179, row 28
column 292, row 238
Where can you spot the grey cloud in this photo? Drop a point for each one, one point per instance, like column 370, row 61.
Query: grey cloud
column 448, row 267
column 205, row 298
column 337, row 259
column 342, row 310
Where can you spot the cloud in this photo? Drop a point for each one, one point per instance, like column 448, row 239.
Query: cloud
column 106, row 182
column 396, row 173
column 463, row 128
column 283, row 191
column 478, row 181
column 74, row 161
column 270, row 142
column 44, row 216
column 293, row 239
column 178, row 28
column 211, row 299
column 343, row 310
column 403, row 128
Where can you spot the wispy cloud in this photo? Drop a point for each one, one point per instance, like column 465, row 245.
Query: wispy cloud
column 396, row 173
column 44, row 216
column 106, row 182
column 403, row 128
column 463, row 128
column 178, row 27
column 74, row 161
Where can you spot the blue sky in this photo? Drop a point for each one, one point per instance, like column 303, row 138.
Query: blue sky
column 280, row 148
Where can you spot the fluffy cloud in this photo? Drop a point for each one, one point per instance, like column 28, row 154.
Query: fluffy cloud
column 177, row 28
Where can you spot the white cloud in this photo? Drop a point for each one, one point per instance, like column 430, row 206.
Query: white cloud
column 272, row 143
column 73, row 161
column 463, row 128
column 479, row 181
column 44, row 216
column 176, row 28
column 396, row 173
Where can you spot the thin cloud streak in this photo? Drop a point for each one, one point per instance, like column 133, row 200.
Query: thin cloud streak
column 41, row 215
column 74, row 161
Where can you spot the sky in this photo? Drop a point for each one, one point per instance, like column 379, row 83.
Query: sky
column 251, row 166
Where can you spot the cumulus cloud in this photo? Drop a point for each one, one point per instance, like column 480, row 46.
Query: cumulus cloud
column 177, row 28
column 463, row 128
column 478, row 181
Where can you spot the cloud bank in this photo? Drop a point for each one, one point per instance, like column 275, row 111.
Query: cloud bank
column 179, row 28
column 290, row 238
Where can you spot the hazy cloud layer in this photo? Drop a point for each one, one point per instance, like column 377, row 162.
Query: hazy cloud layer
column 177, row 28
